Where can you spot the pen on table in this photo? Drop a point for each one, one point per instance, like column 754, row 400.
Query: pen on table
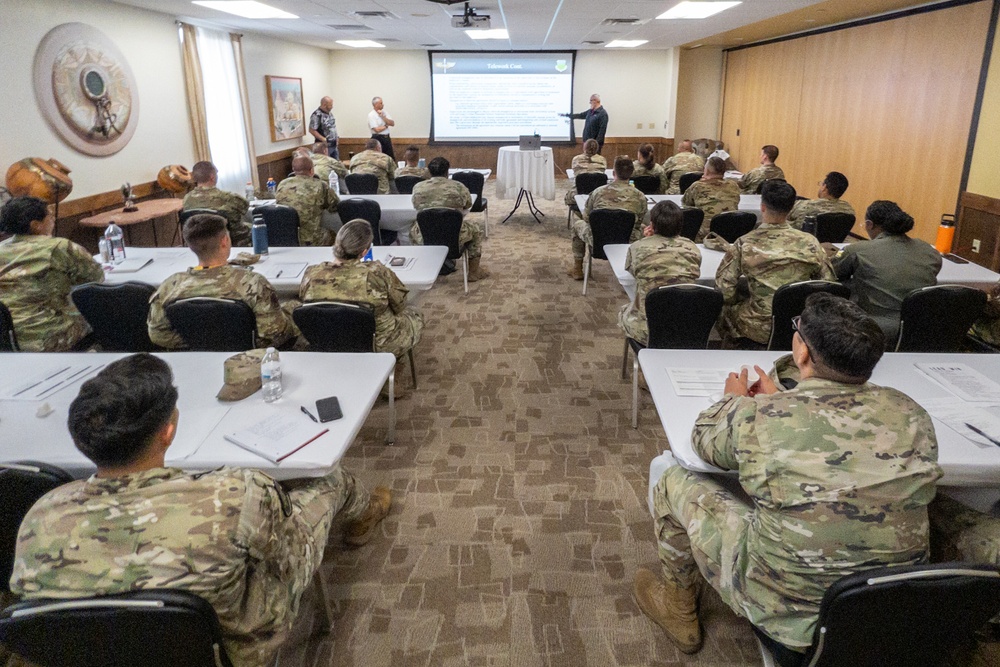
column 315, row 437
column 976, row 430
column 278, row 275
column 308, row 414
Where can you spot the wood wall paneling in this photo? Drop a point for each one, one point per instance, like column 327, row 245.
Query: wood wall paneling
column 978, row 220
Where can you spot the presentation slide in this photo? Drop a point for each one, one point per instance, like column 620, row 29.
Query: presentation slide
column 480, row 96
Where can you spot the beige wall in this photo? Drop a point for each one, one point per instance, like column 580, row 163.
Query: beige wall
column 984, row 175
column 699, row 86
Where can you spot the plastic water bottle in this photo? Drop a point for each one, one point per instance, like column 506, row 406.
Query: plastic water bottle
column 250, row 193
column 270, row 375
column 334, row 182
column 272, row 187
column 116, row 243
column 258, row 235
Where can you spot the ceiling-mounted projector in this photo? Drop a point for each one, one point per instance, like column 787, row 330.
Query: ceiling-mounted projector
column 470, row 19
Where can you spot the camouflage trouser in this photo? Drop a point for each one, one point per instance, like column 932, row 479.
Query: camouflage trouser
column 239, row 234
column 570, row 200
column 631, row 321
column 961, row 533
column 470, row 238
column 583, row 237
column 404, row 334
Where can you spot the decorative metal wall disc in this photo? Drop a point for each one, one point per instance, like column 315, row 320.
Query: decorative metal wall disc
column 85, row 89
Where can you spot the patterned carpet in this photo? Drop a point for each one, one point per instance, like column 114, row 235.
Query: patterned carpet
column 519, row 486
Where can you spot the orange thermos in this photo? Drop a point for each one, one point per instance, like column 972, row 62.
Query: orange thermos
column 946, row 234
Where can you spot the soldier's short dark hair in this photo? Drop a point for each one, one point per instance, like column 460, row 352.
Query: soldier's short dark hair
column 203, row 231
column 302, row 164
column 667, row 218
column 117, row 412
column 17, row 215
column 770, row 151
column 411, row 153
column 203, row 172
column 439, row 166
column 623, row 167
column 716, row 165
column 321, row 148
column 373, row 144
column 836, row 184
column 841, row 337
column 889, row 217
column 777, row 195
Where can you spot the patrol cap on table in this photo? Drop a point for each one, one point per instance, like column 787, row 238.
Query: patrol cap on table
column 241, row 374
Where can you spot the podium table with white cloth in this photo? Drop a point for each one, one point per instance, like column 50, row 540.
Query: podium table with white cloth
column 523, row 174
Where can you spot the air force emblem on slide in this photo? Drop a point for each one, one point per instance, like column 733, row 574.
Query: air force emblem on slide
column 444, row 65
column 561, row 66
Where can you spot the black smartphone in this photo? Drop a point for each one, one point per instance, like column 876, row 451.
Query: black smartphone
column 955, row 258
column 397, row 261
column 328, row 409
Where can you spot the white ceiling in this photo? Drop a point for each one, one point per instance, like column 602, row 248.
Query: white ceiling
column 532, row 24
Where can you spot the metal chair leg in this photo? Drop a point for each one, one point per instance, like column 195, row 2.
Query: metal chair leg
column 465, row 270
column 635, row 392
column 625, row 360
column 413, row 368
column 586, row 270
column 390, row 437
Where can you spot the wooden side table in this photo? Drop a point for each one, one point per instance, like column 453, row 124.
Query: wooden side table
column 149, row 211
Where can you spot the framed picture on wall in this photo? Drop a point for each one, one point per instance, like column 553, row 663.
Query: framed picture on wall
column 284, row 107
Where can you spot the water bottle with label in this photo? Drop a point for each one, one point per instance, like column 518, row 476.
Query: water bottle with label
column 272, row 187
column 116, row 243
column 270, row 375
column 250, row 192
column 334, row 182
column 258, row 235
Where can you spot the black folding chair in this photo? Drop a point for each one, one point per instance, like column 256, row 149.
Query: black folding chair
column 282, row 225
column 733, row 224
column 183, row 217
column 116, row 314
column 647, row 185
column 586, row 183
column 789, row 301
column 693, row 217
column 475, row 181
column 362, row 184
column 404, row 184
column 687, row 179
column 354, row 208
column 442, row 226
column 208, row 324
column 833, row 227
column 608, row 226
column 936, row 318
column 8, row 340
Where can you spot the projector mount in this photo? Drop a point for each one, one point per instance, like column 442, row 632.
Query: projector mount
column 469, row 19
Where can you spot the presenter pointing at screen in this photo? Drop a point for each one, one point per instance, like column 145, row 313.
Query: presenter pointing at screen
column 380, row 121
column 595, row 121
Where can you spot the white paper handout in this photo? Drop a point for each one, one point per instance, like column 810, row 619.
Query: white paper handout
column 277, row 435
column 963, row 381
column 284, row 270
column 978, row 423
column 47, row 383
column 129, row 265
column 697, row 381
column 193, row 428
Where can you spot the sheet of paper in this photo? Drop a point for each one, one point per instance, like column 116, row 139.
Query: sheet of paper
column 193, row 428
column 129, row 265
column 410, row 261
column 43, row 385
column 697, row 381
column 966, row 419
column 283, row 270
column 963, row 381
column 272, row 431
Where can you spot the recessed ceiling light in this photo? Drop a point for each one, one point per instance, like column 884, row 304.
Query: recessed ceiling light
column 495, row 33
column 361, row 43
column 248, row 9
column 696, row 10
column 625, row 43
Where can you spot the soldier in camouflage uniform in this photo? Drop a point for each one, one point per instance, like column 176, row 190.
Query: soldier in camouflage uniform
column 214, row 277
column 37, row 273
column 713, row 194
column 442, row 192
column 752, row 180
column 828, row 200
column 245, row 543
column 585, row 163
column 323, row 164
column 309, row 197
column 839, row 473
column 412, row 158
column 987, row 327
column 373, row 161
column 619, row 195
column 685, row 162
column 397, row 328
column 230, row 206
column 768, row 257
column 662, row 258
column 646, row 165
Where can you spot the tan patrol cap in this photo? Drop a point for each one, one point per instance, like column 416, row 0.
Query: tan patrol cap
column 241, row 374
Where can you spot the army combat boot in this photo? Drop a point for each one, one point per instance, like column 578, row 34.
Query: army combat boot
column 476, row 272
column 362, row 529
column 671, row 607
column 576, row 271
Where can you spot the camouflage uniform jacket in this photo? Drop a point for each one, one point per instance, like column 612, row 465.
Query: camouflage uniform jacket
column 309, row 197
column 753, row 178
column 36, row 275
column 769, row 257
column 678, row 165
column 584, row 163
column 987, row 326
column 655, row 170
column 714, row 196
column 422, row 172
column 274, row 327
column 840, row 476
column 371, row 283
column 441, row 192
column 232, row 536
column 230, row 206
column 656, row 261
column 808, row 207
column 620, row 195
column 379, row 164
column 881, row 272
column 324, row 164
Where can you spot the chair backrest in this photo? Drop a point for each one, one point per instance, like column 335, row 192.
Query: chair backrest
column 610, row 226
column 788, row 302
column 183, row 216
column 689, row 178
column 681, row 316
column 116, row 314
column 693, row 217
column 365, row 209
column 8, row 340
column 208, row 324
column 833, row 227
column 21, row 485
column 474, row 181
column 733, row 224
column 404, row 184
column 589, row 181
column 760, row 186
column 647, row 185
column 936, row 318
column 903, row 616
column 282, row 225
column 336, row 326
column 147, row 628
column 362, row 184
column 441, row 226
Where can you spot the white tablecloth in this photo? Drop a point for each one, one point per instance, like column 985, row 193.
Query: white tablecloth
column 531, row 170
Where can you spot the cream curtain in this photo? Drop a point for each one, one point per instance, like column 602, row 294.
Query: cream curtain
column 195, row 92
column 245, row 99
